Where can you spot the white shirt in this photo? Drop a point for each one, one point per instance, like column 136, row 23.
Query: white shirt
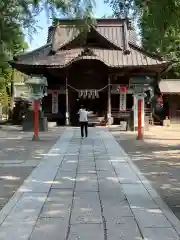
column 83, row 115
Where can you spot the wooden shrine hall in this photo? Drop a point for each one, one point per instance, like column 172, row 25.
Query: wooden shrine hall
column 94, row 70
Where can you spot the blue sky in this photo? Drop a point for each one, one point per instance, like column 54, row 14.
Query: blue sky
column 40, row 37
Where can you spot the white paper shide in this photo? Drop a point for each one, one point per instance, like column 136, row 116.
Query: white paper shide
column 55, row 102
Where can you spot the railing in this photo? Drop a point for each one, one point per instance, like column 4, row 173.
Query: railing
column 147, row 113
column 118, row 114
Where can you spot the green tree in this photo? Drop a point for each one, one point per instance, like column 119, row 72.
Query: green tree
column 17, row 16
column 159, row 23
column 11, row 42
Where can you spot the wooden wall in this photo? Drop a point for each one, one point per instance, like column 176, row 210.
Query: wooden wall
column 174, row 108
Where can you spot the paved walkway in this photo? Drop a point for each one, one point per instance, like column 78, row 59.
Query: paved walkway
column 157, row 157
column 19, row 155
column 87, row 189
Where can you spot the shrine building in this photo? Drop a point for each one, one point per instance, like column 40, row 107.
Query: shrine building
column 95, row 71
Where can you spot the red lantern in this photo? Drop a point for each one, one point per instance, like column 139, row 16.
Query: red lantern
column 123, row 88
column 54, row 91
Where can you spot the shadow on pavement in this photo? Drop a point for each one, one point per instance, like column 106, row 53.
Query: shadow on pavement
column 158, row 158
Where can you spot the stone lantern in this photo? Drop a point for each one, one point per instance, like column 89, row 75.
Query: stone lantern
column 37, row 86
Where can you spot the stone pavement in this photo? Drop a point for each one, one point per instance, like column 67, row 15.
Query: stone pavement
column 87, row 189
column 157, row 157
column 19, row 155
column 18, row 149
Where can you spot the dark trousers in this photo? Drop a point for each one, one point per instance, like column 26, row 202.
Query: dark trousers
column 84, row 126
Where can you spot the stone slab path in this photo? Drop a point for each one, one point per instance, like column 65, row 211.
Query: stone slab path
column 157, row 157
column 19, row 155
column 87, row 189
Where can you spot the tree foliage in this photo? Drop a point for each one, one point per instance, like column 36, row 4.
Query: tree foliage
column 18, row 16
column 159, row 23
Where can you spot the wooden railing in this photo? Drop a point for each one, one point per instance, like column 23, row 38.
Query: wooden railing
column 147, row 112
column 117, row 114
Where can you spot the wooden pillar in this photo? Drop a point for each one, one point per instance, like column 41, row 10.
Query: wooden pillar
column 136, row 98
column 67, row 103
column 36, row 120
column 109, row 102
column 140, row 128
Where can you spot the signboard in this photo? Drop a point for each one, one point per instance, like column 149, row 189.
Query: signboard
column 54, row 102
column 141, row 80
column 122, row 104
column 123, row 88
column 122, row 98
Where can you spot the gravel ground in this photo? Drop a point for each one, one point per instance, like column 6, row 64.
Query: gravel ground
column 158, row 158
column 19, row 155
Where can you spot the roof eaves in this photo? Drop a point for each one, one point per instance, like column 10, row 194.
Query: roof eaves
column 167, row 68
column 32, row 52
column 141, row 49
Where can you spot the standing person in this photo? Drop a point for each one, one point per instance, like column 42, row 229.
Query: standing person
column 83, row 120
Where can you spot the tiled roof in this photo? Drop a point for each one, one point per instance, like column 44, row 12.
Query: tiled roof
column 170, row 86
column 112, row 58
column 63, row 35
column 111, row 30
column 33, row 56
column 114, row 33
